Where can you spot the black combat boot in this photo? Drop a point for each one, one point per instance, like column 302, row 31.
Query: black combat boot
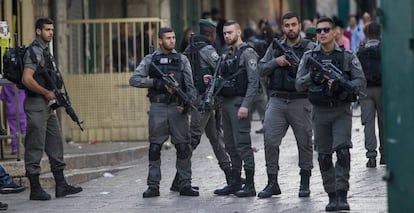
column 36, row 191
column 342, row 203
column 272, row 187
column 304, row 190
column 233, row 187
column 372, row 163
column 62, row 188
column 175, row 185
column 248, row 190
column 189, row 191
column 332, row 205
column 227, row 172
column 152, row 191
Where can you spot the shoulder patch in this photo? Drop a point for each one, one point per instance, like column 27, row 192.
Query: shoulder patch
column 356, row 63
column 252, row 63
column 214, row 55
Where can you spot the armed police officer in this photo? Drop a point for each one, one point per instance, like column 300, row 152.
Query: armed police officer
column 287, row 107
column 331, row 92
column 43, row 131
column 238, row 87
column 168, row 114
column 203, row 58
column 370, row 56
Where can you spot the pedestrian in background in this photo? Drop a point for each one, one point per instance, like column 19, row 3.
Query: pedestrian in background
column 287, row 107
column 8, row 97
column 332, row 116
column 167, row 114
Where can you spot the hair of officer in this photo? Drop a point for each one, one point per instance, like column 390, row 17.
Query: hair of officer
column 164, row 30
column 326, row 19
column 41, row 22
column 230, row 23
column 207, row 30
column 290, row 15
column 374, row 30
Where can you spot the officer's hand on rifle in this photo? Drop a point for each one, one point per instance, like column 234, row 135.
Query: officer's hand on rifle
column 282, row 61
column 158, row 83
column 317, row 77
column 207, row 78
column 50, row 95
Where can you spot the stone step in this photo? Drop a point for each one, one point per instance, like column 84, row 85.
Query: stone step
column 76, row 176
column 84, row 160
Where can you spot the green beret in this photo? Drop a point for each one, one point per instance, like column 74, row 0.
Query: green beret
column 311, row 31
column 207, row 22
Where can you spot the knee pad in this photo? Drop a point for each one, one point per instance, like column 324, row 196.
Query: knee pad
column 154, row 152
column 344, row 157
column 183, row 150
column 325, row 162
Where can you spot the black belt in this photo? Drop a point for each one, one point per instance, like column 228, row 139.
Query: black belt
column 166, row 99
column 289, row 95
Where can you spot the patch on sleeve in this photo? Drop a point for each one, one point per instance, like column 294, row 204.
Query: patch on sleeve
column 356, row 63
column 214, row 55
column 252, row 63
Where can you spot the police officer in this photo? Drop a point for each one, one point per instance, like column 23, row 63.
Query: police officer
column 331, row 98
column 203, row 58
column 238, row 87
column 287, row 107
column 43, row 131
column 167, row 114
column 370, row 56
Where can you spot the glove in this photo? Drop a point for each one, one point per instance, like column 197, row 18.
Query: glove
column 317, row 77
column 158, row 83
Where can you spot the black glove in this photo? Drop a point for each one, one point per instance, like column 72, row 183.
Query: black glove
column 317, row 77
column 336, row 86
column 158, row 83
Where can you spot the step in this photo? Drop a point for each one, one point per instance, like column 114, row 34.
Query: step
column 76, row 176
column 85, row 160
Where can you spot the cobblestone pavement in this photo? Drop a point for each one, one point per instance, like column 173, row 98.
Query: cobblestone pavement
column 123, row 191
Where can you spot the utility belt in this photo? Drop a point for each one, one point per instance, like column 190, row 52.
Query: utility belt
column 330, row 103
column 166, row 99
column 288, row 95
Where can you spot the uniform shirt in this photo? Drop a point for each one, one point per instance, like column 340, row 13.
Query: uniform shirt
column 38, row 47
column 248, row 59
column 303, row 79
column 267, row 65
column 140, row 76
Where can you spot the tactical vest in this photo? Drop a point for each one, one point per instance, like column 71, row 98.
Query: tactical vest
column 283, row 78
column 320, row 95
column 234, row 75
column 370, row 58
column 169, row 64
column 46, row 65
column 193, row 54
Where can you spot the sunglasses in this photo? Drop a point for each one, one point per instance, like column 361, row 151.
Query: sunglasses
column 326, row 30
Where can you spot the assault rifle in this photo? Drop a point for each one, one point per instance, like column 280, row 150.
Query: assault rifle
column 208, row 98
column 333, row 72
column 173, row 86
column 62, row 97
column 293, row 59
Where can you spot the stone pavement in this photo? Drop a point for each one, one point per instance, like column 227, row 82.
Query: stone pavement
column 123, row 192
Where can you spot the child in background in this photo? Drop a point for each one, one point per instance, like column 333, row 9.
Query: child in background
column 7, row 95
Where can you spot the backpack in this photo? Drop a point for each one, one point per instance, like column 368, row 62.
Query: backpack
column 259, row 45
column 13, row 64
column 370, row 58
